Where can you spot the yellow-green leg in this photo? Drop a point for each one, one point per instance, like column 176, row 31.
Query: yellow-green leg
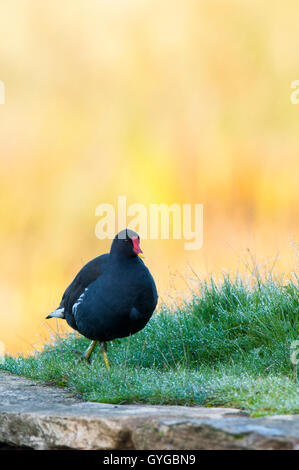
column 86, row 354
column 90, row 350
column 104, row 352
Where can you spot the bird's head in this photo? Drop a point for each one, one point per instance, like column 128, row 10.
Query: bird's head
column 126, row 243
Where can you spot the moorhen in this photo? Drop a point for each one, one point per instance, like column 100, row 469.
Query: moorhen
column 113, row 296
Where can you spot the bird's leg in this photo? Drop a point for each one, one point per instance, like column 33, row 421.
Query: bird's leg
column 104, row 352
column 86, row 354
column 90, row 350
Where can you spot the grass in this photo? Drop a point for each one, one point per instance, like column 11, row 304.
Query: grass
column 229, row 345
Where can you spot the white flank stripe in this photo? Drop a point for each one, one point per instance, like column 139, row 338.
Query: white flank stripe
column 78, row 302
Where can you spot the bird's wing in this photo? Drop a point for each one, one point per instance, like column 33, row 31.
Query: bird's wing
column 89, row 273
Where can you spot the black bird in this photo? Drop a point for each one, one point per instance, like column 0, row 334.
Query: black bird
column 113, row 296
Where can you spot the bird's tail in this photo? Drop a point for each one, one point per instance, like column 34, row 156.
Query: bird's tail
column 58, row 313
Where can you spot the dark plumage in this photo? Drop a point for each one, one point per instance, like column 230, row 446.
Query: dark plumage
column 113, row 296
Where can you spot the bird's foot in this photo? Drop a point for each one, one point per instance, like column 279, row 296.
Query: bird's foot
column 85, row 355
column 82, row 354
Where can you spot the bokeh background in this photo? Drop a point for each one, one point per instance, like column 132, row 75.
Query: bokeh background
column 169, row 101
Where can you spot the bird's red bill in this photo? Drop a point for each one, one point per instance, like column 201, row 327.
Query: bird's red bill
column 136, row 246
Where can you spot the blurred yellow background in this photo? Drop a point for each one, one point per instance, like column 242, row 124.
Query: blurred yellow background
column 169, row 101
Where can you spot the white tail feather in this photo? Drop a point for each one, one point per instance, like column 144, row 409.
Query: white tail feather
column 58, row 313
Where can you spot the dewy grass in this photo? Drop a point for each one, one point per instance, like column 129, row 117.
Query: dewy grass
column 229, row 345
